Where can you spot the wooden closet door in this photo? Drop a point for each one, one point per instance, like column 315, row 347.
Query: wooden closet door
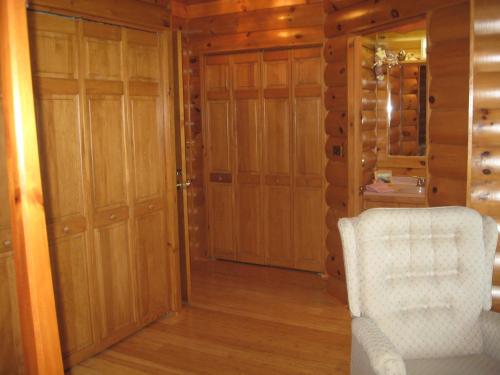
column 54, row 50
column 277, row 210
column 309, row 207
column 219, row 157
column 148, row 153
column 11, row 355
column 248, row 133
column 102, row 47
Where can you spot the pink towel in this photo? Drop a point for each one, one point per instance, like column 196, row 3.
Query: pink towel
column 379, row 187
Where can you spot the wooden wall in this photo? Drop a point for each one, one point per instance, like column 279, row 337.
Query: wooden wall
column 484, row 153
column 344, row 18
column 218, row 26
column 448, row 83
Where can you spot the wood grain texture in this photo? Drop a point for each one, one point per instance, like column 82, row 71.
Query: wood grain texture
column 448, row 96
column 264, row 137
column 261, row 25
column 40, row 337
column 111, row 200
column 356, row 17
column 221, row 7
column 11, row 354
column 135, row 13
column 483, row 175
column 269, row 321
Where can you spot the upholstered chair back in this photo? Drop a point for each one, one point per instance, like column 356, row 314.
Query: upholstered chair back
column 422, row 275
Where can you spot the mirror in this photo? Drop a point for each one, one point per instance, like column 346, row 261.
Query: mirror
column 400, row 66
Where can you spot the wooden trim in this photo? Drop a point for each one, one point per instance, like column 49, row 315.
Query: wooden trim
column 171, row 178
column 40, row 336
column 185, row 255
column 131, row 13
column 354, row 137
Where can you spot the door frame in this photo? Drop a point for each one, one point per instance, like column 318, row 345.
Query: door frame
column 38, row 319
column 183, row 180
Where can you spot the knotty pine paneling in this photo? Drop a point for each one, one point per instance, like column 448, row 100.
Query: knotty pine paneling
column 448, row 93
column 484, row 181
column 194, row 154
column 262, row 25
column 350, row 17
column 221, row 7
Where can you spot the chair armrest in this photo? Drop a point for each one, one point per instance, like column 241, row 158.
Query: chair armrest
column 490, row 328
column 383, row 356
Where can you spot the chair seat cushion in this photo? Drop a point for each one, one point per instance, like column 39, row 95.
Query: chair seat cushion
column 479, row 364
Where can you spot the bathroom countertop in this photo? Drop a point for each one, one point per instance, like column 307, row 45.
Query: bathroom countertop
column 405, row 191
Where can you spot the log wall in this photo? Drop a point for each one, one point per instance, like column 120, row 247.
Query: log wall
column 484, row 153
column 354, row 18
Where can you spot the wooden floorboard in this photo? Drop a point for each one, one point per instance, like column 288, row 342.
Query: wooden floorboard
column 244, row 319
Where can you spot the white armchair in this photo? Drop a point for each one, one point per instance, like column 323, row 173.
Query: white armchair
column 419, row 285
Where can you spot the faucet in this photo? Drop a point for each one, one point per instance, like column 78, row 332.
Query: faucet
column 420, row 184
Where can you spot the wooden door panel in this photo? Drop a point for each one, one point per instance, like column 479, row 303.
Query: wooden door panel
column 219, row 136
column 114, row 279
column 103, row 59
column 307, row 71
column 249, row 204
column 11, row 357
column 147, row 148
column 73, row 300
column 309, row 139
column 152, row 265
column 53, row 55
column 143, row 56
column 246, row 71
column 61, row 155
column 278, row 231
column 248, row 136
column 277, row 136
column 217, row 77
column 53, row 46
column 276, row 74
column 309, row 237
column 107, row 136
column 221, row 220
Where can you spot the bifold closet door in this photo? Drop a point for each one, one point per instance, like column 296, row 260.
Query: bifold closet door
column 148, row 155
column 220, row 150
column 247, row 125
column 104, row 74
column 11, row 354
column 309, row 206
column 277, row 166
column 265, row 142
column 58, row 101
column 100, row 100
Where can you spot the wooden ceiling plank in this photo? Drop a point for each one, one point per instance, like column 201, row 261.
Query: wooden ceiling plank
column 268, row 19
column 220, row 7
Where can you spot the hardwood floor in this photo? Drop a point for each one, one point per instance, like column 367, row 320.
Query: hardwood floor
column 244, row 319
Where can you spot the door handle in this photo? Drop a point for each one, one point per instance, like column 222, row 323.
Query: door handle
column 183, row 185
